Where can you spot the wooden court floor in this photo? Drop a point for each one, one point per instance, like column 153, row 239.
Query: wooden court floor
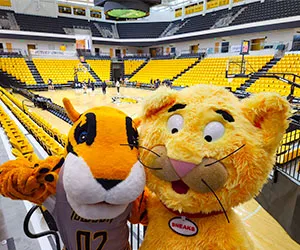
column 262, row 228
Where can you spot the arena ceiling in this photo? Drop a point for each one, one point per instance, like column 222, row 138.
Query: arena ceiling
column 165, row 4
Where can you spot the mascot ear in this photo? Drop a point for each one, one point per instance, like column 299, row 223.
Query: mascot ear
column 72, row 113
column 269, row 112
column 163, row 98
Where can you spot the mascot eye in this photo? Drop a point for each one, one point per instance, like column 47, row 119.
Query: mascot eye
column 82, row 137
column 175, row 123
column 213, row 131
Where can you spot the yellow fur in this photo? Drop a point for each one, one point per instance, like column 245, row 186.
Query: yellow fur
column 259, row 125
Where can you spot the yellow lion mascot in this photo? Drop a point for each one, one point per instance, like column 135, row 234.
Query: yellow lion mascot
column 95, row 188
column 210, row 153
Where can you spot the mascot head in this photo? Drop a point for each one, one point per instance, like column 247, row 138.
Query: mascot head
column 102, row 174
column 209, row 143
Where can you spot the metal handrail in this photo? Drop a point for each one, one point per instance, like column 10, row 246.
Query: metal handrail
column 38, row 235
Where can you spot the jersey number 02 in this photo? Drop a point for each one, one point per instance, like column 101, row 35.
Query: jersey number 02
column 84, row 239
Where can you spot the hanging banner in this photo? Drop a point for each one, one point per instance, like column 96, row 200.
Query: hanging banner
column 47, row 53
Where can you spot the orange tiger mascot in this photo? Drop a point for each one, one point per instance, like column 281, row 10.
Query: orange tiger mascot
column 94, row 189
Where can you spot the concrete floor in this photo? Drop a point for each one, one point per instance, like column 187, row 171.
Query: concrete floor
column 12, row 214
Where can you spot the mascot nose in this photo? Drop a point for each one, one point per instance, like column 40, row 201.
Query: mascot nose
column 182, row 168
column 108, row 184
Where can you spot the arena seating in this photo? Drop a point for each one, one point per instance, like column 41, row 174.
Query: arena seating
column 18, row 68
column 191, row 55
column 21, row 147
column 254, row 12
column 162, row 69
column 97, row 57
column 101, row 68
column 60, row 71
column 56, row 25
column 251, row 12
column 141, row 30
column 212, row 71
column 131, row 65
column 268, row 10
column 289, row 149
column 199, row 22
column 290, row 63
column 10, row 54
column 136, row 57
column 47, row 142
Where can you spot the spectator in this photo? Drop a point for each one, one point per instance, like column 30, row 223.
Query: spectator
column 50, row 84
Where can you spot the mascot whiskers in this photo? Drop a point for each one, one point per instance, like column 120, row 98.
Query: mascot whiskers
column 211, row 152
column 94, row 189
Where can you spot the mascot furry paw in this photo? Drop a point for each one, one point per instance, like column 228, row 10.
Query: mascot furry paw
column 211, row 152
column 94, row 189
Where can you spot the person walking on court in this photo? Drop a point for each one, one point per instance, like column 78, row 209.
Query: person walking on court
column 118, row 86
column 104, row 87
column 93, row 85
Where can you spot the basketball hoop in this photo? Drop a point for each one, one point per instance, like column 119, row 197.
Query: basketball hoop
column 235, row 68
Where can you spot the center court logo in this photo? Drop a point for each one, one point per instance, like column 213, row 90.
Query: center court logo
column 124, row 99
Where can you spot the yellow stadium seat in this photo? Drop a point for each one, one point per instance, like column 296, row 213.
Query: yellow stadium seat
column 18, row 68
column 60, row 71
column 162, row 69
column 102, row 68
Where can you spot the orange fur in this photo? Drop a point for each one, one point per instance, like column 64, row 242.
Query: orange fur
column 21, row 179
column 111, row 133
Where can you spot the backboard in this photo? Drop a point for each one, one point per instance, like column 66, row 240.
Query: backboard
column 236, row 68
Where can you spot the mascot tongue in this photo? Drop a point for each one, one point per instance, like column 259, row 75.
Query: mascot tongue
column 180, row 187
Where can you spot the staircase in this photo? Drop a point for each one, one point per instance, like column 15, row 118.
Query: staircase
column 115, row 31
column 255, row 76
column 173, row 28
column 8, row 80
column 104, row 31
column 92, row 72
column 185, row 70
column 138, row 69
column 12, row 21
column 35, row 73
column 226, row 20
